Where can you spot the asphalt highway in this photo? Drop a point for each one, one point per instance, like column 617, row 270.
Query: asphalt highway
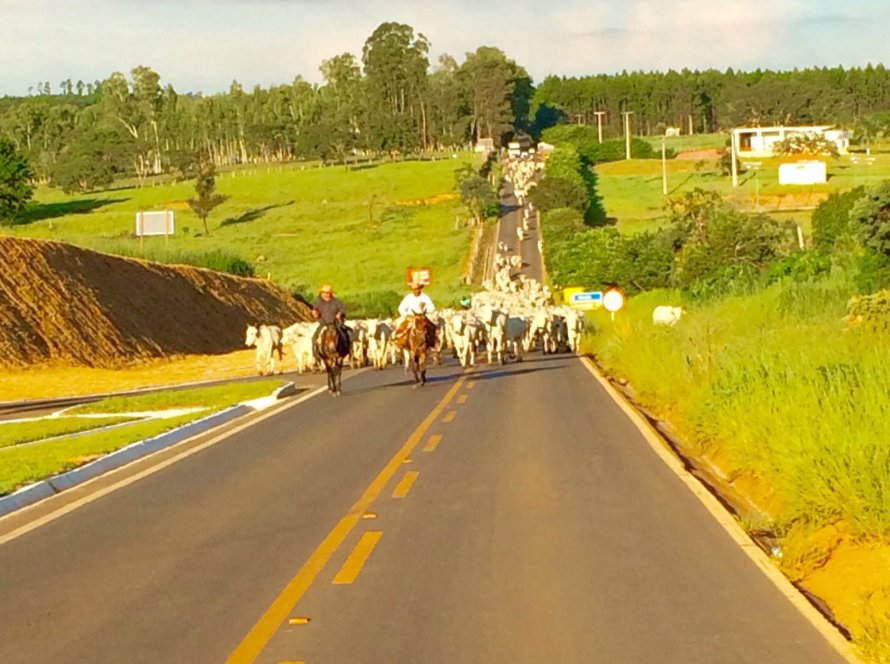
column 506, row 514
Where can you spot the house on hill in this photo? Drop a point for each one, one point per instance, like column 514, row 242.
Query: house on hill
column 758, row 142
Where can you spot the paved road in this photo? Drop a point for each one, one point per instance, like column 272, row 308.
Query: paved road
column 511, row 217
column 540, row 527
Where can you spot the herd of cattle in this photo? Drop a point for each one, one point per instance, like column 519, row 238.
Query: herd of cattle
column 497, row 326
column 512, row 316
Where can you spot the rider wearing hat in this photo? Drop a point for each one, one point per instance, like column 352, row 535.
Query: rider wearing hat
column 416, row 303
column 328, row 310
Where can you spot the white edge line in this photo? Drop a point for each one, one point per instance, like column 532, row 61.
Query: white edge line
column 70, row 507
column 729, row 524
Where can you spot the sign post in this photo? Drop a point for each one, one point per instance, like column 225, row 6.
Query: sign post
column 154, row 223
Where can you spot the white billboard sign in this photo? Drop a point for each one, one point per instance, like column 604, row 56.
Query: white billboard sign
column 154, row 223
column 803, row 172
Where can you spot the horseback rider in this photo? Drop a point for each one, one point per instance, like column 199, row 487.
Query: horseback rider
column 328, row 310
column 416, row 303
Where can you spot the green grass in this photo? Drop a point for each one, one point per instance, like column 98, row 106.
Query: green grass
column 17, row 433
column 777, row 382
column 31, row 463
column 22, row 465
column 632, row 190
column 355, row 228
column 216, row 397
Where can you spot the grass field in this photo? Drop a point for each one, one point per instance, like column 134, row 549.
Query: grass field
column 632, row 190
column 21, row 464
column 300, row 226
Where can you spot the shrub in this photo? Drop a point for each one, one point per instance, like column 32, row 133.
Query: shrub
column 799, row 266
column 553, row 193
column 870, row 216
column 832, row 229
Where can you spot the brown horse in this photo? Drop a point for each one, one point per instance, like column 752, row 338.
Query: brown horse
column 417, row 345
column 332, row 350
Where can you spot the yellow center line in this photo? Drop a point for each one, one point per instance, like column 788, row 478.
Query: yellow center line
column 403, row 487
column 449, row 416
column 257, row 638
column 471, row 384
column 462, row 399
column 433, row 443
column 357, row 559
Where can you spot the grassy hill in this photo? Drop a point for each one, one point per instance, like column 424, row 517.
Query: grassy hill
column 298, row 225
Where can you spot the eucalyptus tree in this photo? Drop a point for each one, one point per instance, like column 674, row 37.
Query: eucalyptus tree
column 340, row 103
column 395, row 64
column 449, row 116
column 498, row 89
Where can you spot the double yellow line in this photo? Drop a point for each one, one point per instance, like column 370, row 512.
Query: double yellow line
column 263, row 631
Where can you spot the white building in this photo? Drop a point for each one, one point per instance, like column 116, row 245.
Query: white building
column 757, row 142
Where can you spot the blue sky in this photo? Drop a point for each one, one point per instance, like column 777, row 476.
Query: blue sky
column 202, row 45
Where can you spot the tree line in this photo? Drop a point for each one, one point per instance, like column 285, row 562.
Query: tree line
column 710, row 101
column 388, row 100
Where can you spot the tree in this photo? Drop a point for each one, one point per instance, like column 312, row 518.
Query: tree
column 207, row 199
column 870, row 215
column 478, row 196
column 395, row 64
column 490, row 79
column 15, row 176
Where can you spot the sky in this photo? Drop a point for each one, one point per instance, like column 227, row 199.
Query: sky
column 203, row 45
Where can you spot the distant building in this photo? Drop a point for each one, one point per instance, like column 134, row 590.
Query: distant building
column 672, row 132
column 757, row 142
column 485, row 145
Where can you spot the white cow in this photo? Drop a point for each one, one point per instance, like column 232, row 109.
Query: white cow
column 379, row 335
column 299, row 337
column 267, row 339
column 665, row 315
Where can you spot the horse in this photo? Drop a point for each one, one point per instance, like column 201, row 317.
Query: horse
column 417, row 347
column 332, row 350
column 267, row 339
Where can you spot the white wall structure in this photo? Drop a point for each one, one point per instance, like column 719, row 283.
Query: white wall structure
column 803, row 172
column 757, row 142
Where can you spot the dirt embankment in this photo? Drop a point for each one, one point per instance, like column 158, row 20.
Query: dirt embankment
column 66, row 305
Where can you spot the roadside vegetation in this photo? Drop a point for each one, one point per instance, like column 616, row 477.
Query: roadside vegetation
column 776, row 374
column 53, row 446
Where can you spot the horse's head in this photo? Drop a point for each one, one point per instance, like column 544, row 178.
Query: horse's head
column 251, row 336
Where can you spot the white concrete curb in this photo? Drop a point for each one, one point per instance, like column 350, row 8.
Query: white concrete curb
column 58, row 483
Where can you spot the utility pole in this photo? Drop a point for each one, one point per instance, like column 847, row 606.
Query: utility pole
column 627, row 115
column 732, row 156
column 599, row 123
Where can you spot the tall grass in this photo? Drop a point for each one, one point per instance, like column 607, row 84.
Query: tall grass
column 777, row 382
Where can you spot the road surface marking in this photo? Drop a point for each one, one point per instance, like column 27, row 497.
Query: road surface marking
column 369, row 515
column 80, row 502
column 294, row 661
column 264, row 629
column 462, row 399
column 403, row 487
column 300, row 620
column 433, row 443
column 729, row 524
column 471, row 384
column 449, row 416
column 357, row 559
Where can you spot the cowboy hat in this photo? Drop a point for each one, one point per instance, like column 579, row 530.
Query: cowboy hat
column 326, row 288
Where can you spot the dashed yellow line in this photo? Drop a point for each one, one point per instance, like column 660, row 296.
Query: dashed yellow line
column 462, row 399
column 471, row 384
column 256, row 639
column 449, row 416
column 357, row 559
column 433, row 443
column 403, row 487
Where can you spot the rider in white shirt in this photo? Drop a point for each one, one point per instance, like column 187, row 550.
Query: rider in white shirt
column 416, row 302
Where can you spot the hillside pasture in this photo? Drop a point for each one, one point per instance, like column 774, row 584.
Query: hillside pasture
column 632, row 190
column 300, row 226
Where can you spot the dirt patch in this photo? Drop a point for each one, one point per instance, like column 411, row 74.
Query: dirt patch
column 65, row 305
column 697, row 155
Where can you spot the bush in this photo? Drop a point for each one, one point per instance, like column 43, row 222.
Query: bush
column 553, row 193
column 799, row 266
column 832, row 229
column 870, row 216
column 219, row 260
